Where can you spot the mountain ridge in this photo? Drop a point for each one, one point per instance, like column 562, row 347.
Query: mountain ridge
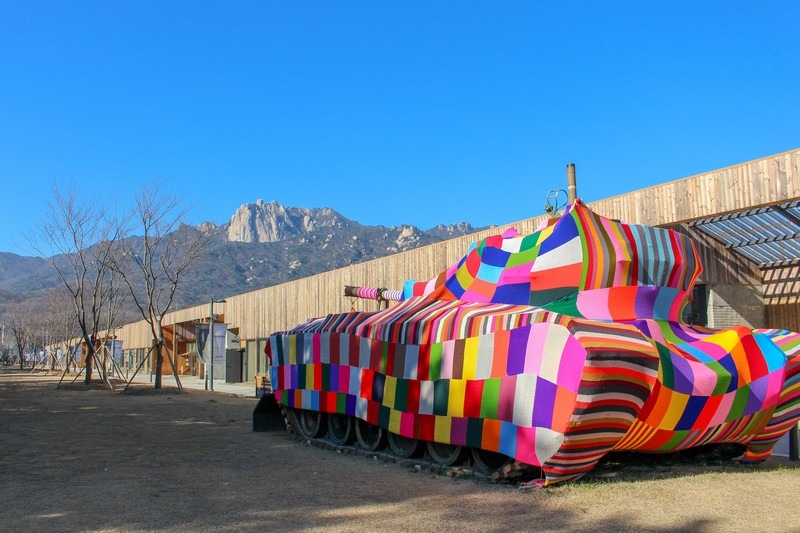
column 262, row 244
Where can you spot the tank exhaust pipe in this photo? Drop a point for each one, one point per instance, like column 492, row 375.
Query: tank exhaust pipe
column 572, row 192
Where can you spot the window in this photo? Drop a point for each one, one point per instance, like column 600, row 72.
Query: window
column 696, row 311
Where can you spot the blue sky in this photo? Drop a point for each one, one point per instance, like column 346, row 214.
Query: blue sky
column 389, row 112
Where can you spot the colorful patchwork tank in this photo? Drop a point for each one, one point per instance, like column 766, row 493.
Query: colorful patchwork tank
column 552, row 349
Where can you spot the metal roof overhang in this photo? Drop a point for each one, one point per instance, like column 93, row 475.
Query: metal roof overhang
column 768, row 236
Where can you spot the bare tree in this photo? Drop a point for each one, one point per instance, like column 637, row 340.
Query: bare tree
column 154, row 265
column 117, row 298
column 19, row 325
column 61, row 324
column 4, row 351
column 78, row 239
column 40, row 332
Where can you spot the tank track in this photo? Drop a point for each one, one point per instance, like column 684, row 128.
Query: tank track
column 510, row 472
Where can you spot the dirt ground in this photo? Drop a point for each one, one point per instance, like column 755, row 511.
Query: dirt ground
column 97, row 460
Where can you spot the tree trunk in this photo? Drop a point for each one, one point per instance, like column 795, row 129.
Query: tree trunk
column 159, row 362
column 89, row 356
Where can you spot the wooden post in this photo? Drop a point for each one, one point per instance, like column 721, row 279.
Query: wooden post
column 175, row 347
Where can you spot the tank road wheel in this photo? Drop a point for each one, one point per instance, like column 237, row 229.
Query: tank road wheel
column 311, row 423
column 371, row 438
column 340, row 429
column 446, row 454
column 403, row 446
column 292, row 418
column 489, row 462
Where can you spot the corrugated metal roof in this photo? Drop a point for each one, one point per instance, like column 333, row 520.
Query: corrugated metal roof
column 768, row 236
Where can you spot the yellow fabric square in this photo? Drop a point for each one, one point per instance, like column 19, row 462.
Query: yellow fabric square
column 441, row 429
column 726, row 339
column 310, row 377
column 394, row 421
column 455, row 400
column 464, row 278
column 389, row 389
column 470, row 357
column 292, row 349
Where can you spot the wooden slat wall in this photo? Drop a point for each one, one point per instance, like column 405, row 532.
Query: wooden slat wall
column 782, row 298
column 783, row 316
column 756, row 183
column 257, row 314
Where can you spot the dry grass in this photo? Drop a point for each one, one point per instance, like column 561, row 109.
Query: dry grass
column 95, row 460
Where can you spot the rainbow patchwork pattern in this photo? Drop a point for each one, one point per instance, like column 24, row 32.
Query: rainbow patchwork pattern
column 499, row 390
column 581, row 264
column 554, row 349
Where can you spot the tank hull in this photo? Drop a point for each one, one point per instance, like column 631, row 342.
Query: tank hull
column 543, row 388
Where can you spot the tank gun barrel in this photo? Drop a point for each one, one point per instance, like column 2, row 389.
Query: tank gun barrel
column 372, row 293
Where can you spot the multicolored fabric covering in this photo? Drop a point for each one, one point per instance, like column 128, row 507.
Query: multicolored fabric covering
column 373, row 293
column 552, row 348
column 581, row 264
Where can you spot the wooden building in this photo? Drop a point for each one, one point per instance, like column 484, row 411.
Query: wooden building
column 745, row 219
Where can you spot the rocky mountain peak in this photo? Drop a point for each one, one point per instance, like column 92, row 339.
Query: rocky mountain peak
column 273, row 222
column 449, row 231
column 207, row 227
